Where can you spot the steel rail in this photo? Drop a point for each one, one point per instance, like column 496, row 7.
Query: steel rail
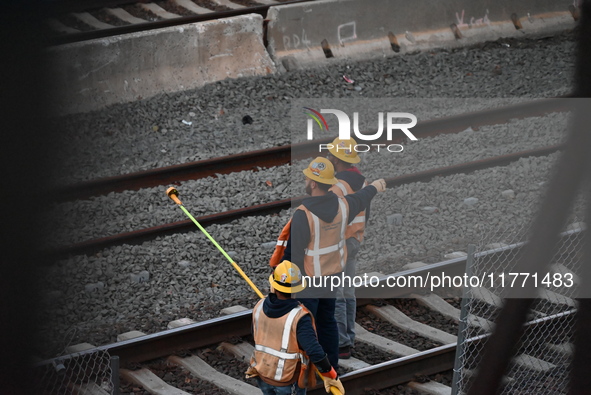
column 379, row 376
column 390, row 373
column 277, row 156
column 202, row 334
column 402, row 370
column 71, row 6
column 140, row 236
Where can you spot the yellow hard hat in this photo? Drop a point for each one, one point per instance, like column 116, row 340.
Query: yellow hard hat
column 321, row 170
column 344, row 150
column 287, row 278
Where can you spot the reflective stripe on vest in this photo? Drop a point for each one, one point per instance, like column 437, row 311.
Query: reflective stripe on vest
column 342, row 187
column 319, row 260
column 283, row 354
column 356, row 228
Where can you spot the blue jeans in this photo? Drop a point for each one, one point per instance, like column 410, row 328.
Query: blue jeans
column 346, row 305
column 326, row 326
column 269, row 389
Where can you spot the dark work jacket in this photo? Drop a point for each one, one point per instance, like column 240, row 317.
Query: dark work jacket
column 326, row 208
column 273, row 307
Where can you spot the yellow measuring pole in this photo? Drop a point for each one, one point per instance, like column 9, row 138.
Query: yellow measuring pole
column 173, row 194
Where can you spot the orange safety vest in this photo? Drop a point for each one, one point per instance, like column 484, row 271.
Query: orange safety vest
column 357, row 227
column 326, row 253
column 277, row 356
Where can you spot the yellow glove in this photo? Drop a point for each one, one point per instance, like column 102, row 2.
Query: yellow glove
column 331, row 379
column 328, row 382
column 379, row 184
column 251, row 372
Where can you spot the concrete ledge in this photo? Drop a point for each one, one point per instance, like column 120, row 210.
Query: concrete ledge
column 92, row 74
column 326, row 30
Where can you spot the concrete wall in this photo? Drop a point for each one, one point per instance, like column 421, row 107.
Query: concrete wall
column 92, row 74
column 357, row 29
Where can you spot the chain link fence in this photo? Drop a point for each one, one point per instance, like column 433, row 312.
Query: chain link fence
column 85, row 373
column 542, row 358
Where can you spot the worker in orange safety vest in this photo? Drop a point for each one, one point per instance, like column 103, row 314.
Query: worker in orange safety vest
column 316, row 241
column 285, row 339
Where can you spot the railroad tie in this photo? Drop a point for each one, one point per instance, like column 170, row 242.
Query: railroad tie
column 564, row 349
column 91, row 389
column 79, row 348
column 353, row 364
column 189, row 5
column 229, row 4
column 233, row 309
column 556, row 298
column 200, row 369
column 146, row 379
column 470, row 374
column 242, row 351
column 532, row 363
column 438, row 304
column 562, row 269
column 91, row 20
column 400, row 320
column 129, row 335
column 125, row 16
column 382, row 343
column 56, row 25
column 158, row 11
column 430, row 388
column 576, row 226
column 180, row 323
column 268, row 2
column 487, row 296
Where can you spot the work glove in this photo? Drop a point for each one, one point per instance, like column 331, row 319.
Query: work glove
column 331, row 379
column 379, row 184
column 333, row 383
column 251, row 372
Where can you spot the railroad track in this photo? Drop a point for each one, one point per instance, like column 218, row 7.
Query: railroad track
column 277, row 156
column 140, row 236
column 283, row 155
column 402, row 365
column 73, row 21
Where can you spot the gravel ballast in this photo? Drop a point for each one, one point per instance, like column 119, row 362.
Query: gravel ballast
column 188, row 277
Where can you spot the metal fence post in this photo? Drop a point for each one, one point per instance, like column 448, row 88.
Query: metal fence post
column 462, row 324
column 115, row 374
